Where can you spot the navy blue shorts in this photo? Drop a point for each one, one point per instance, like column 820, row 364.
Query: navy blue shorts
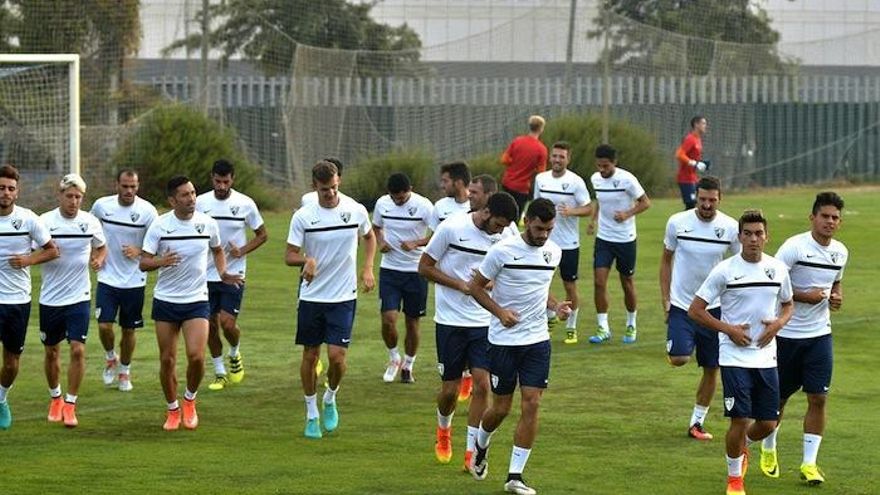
column 179, row 313
column 325, row 323
column 527, row 364
column 225, row 297
column 128, row 302
column 69, row 322
column 624, row 253
column 804, row 363
column 13, row 326
column 407, row 288
column 568, row 266
column 751, row 393
column 688, row 195
column 459, row 348
column 683, row 335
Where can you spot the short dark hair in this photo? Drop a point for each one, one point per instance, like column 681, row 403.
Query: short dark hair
column 398, row 182
column 457, row 171
column 9, row 172
column 337, row 162
column 562, row 145
column 752, row 216
column 174, row 183
column 502, row 204
column 488, row 183
column 696, row 120
column 606, row 151
column 827, row 198
column 126, row 171
column 223, row 168
column 323, row 171
column 542, row 208
column 709, row 183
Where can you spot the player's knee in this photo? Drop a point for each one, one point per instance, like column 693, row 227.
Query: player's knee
column 816, row 401
column 678, row 360
column 167, row 360
column 77, row 351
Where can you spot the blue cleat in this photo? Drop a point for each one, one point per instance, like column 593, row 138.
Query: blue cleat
column 601, row 336
column 5, row 416
column 631, row 335
column 331, row 417
column 313, row 430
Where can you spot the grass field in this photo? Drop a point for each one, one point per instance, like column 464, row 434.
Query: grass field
column 613, row 420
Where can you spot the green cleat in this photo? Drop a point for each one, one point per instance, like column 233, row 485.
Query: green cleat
column 812, row 474
column 220, row 382
column 769, row 462
column 571, row 337
column 601, row 336
column 236, row 369
column 5, row 416
column 331, row 417
column 313, row 430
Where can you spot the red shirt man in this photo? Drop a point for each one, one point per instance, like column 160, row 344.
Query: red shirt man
column 524, row 157
column 689, row 156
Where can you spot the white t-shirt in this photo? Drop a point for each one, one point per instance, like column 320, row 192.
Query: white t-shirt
column 568, row 190
column 699, row 246
column 811, row 266
column 749, row 292
column 407, row 222
column 459, row 247
column 616, row 193
column 446, row 207
column 19, row 231
column 65, row 280
column 192, row 240
column 330, row 235
column 522, row 275
column 123, row 226
column 311, row 197
column 234, row 215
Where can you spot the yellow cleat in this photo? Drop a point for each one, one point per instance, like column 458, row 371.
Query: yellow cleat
column 236, row 369
column 769, row 463
column 571, row 337
column 812, row 474
column 219, row 383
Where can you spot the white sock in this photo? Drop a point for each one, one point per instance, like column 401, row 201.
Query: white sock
column 69, row 398
column 471, row 437
column 219, row 367
column 190, row 395
column 394, row 355
column 769, row 442
column 734, row 465
column 330, row 395
column 125, row 369
column 602, row 318
column 110, row 355
column 551, row 314
column 312, row 406
column 699, row 414
column 4, row 391
column 518, row 458
column 483, row 437
column 572, row 321
column 631, row 318
column 55, row 392
column 444, row 421
column 408, row 362
column 173, row 405
column 233, row 351
column 466, row 373
column 811, row 447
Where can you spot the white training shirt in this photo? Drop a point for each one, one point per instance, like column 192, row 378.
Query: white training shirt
column 522, row 275
column 459, row 247
column 330, row 235
column 749, row 292
column 65, row 280
column 19, row 231
column 698, row 245
column 234, row 215
column 123, row 226
column 811, row 266
column 192, row 240
column 446, row 207
column 568, row 190
column 616, row 193
column 407, row 222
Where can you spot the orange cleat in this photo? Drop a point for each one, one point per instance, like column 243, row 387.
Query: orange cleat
column 55, row 406
column 190, row 417
column 735, row 485
column 468, row 460
column 443, row 447
column 172, row 420
column 465, row 387
column 745, row 467
column 68, row 414
column 696, row 431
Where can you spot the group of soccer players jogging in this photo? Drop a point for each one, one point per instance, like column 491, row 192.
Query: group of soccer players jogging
column 763, row 321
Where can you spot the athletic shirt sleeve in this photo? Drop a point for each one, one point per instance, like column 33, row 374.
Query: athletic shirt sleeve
column 296, row 233
column 670, row 240
column 214, row 241
column 364, row 227
column 714, row 284
column 786, row 293
column 98, row 239
column 581, row 194
column 492, row 263
column 787, row 254
column 39, row 233
column 253, row 218
column 634, row 188
column 438, row 244
column 151, row 239
column 377, row 213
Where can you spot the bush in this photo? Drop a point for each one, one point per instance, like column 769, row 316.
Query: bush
column 366, row 181
column 179, row 140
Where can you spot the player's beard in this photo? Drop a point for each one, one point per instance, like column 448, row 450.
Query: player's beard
column 532, row 241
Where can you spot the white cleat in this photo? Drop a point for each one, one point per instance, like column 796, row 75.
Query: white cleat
column 519, row 487
column 391, row 371
column 125, row 383
column 109, row 374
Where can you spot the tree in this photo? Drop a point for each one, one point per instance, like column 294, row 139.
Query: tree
column 268, row 32
column 729, row 37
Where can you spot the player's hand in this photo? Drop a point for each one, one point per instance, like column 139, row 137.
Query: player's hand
column 701, row 166
column 384, row 247
column 235, row 251
column 368, row 282
column 591, row 228
column 563, row 209
column 835, row 300
column 131, row 252
column 772, row 326
column 20, row 261
column 739, row 334
column 563, row 310
column 231, row 279
column 508, row 317
column 310, row 270
column 170, row 258
column 621, row 216
column 813, row 296
column 96, row 264
column 409, row 245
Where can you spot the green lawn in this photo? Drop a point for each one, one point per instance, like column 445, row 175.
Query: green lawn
column 613, row 420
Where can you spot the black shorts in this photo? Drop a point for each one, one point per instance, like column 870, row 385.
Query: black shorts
column 751, row 393
column 69, row 322
column 529, row 365
column 683, row 335
column 406, row 289
column 13, row 326
column 459, row 348
column 325, row 323
column 804, row 363
column 568, row 266
column 179, row 313
column 129, row 303
column 225, row 297
column 623, row 253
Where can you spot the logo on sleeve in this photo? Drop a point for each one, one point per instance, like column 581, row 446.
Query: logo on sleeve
column 547, row 256
column 345, row 216
column 770, row 272
column 134, row 216
column 234, row 209
column 200, row 227
column 719, row 232
column 16, row 223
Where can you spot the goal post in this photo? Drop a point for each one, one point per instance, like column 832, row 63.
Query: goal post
column 49, row 103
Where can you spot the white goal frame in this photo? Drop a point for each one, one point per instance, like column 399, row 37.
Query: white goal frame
column 73, row 86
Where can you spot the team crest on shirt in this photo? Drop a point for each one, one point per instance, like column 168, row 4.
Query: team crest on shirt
column 411, row 210
column 200, row 227
column 345, row 216
column 770, row 272
column 616, row 183
column 83, row 227
column 547, row 256
column 134, row 216
column 719, row 232
column 234, row 210
column 16, row 223
column 565, row 186
column 834, row 256
column 728, row 403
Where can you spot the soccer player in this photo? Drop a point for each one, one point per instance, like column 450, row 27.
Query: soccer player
column 481, row 187
column 66, row 292
column 20, row 228
column 177, row 244
column 695, row 241
column 524, row 157
column 750, row 286
column 619, row 198
column 521, row 268
column 690, row 160
column 124, row 218
column 234, row 213
column 569, row 193
column 312, row 196
column 400, row 220
column 454, row 252
column 816, row 262
column 323, row 240
column 454, row 180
